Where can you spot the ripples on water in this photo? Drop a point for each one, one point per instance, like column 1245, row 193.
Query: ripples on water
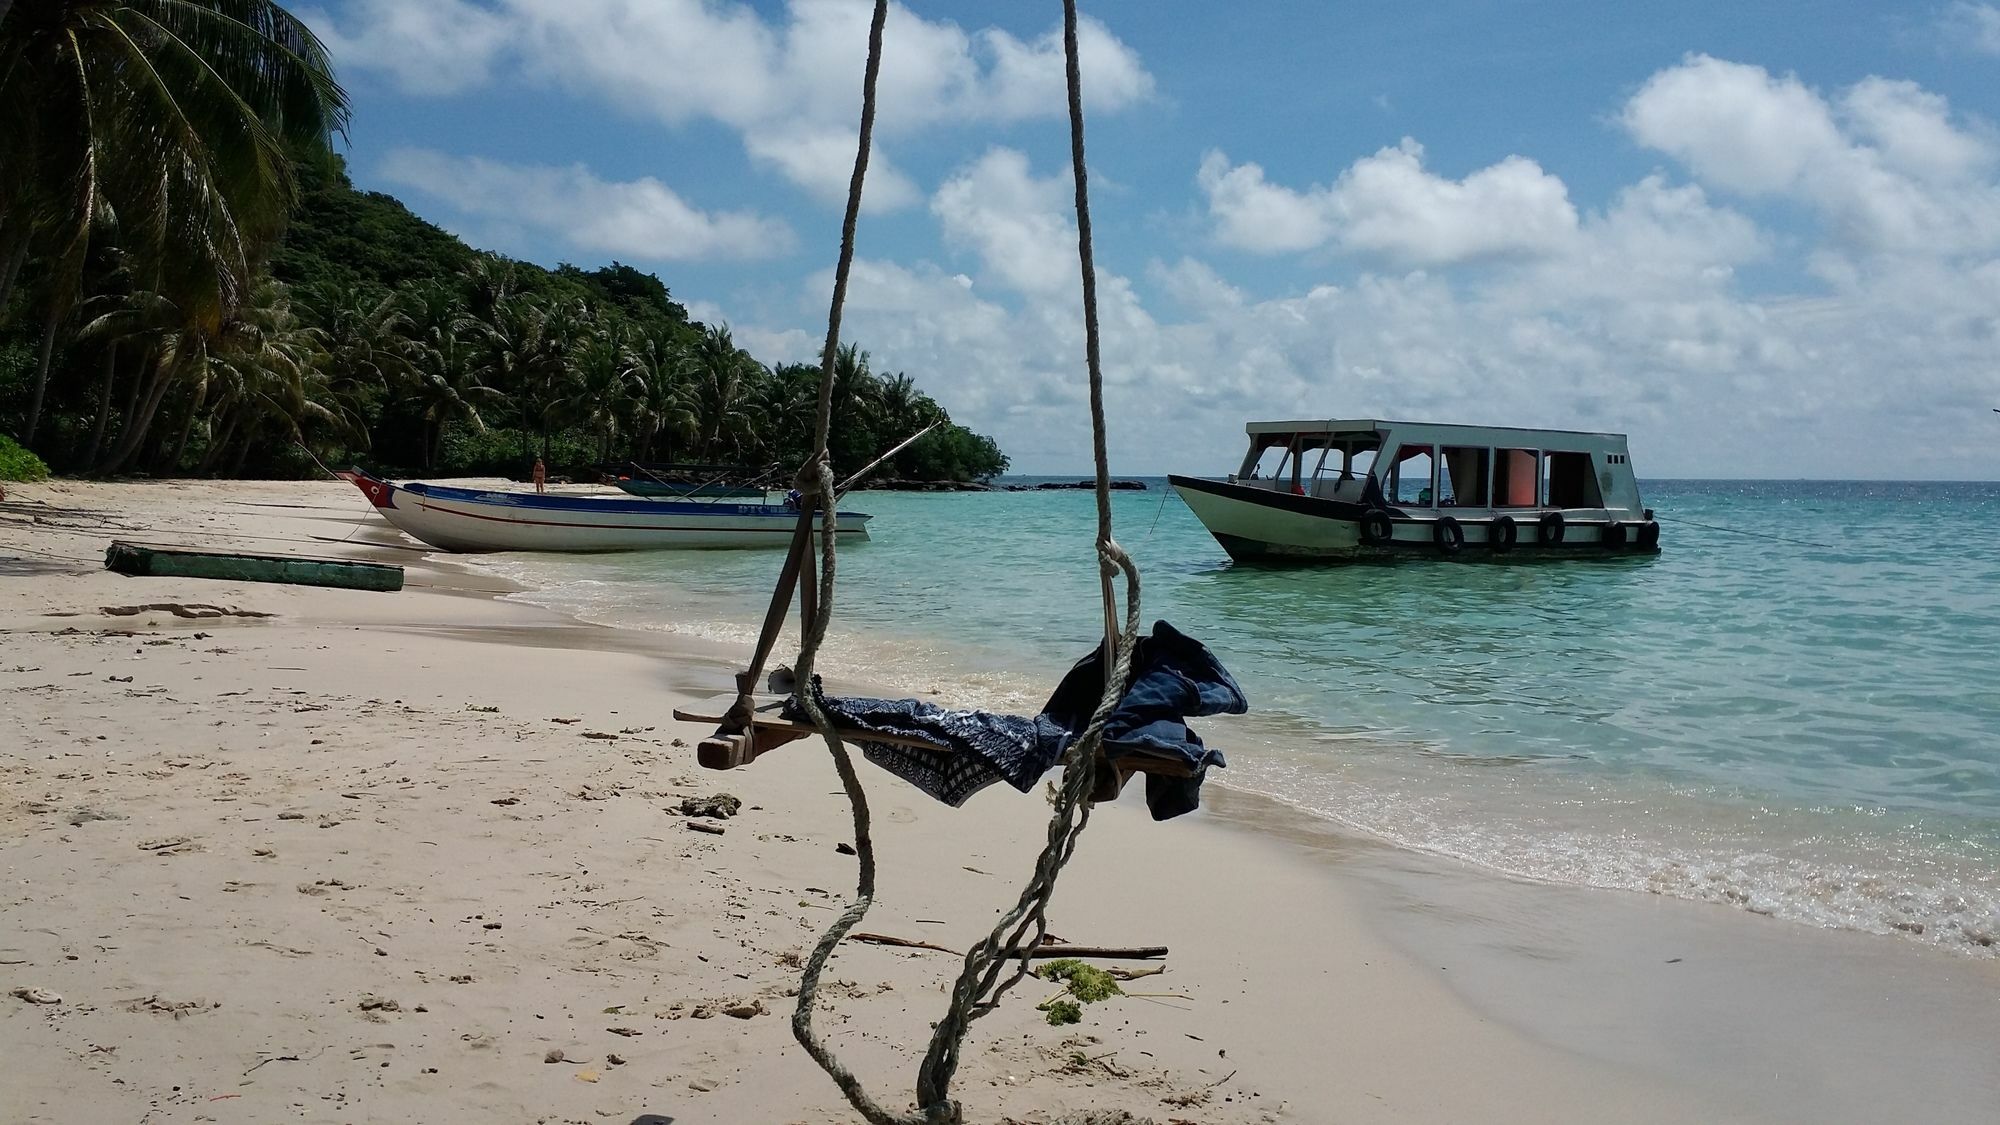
column 1804, row 720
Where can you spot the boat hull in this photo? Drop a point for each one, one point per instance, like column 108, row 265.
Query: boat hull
column 469, row 520
column 1261, row 525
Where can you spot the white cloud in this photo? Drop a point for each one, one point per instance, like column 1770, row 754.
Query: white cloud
column 1634, row 315
column 821, row 161
column 1016, row 223
column 1971, row 27
column 1885, row 165
column 1736, row 126
column 1387, row 205
column 434, row 47
column 789, row 85
column 640, row 218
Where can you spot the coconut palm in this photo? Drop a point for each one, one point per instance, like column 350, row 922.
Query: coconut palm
column 443, row 382
column 606, row 386
column 720, row 370
column 663, row 407
column 169, row 118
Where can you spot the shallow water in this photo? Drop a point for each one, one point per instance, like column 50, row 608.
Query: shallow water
column 1795, row 707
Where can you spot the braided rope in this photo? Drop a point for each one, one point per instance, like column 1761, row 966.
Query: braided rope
column 984, row 979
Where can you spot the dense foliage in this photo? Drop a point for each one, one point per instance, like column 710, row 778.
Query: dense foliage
column 325, row 318
column 17, row 463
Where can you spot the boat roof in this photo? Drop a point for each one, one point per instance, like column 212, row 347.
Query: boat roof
column 1368, row 425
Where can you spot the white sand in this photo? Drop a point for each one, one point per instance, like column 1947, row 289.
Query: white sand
column 303, row 818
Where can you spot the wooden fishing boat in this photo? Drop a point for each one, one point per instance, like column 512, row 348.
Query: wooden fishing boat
column 1353, row 490
column 467, row 519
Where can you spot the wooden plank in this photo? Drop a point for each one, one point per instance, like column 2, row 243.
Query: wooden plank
column 768, row 709
column 768, row 717
column 159, row 561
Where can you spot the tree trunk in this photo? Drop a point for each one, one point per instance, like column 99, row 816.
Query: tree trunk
column 429, row 444
column 219, row 442
column 134, row 434
column 42, row 373
column 236, row 463
column 103, row 404
column 187, row 431
column 10, row 268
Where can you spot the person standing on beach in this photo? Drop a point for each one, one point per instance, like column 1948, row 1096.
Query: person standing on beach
column 541, row 476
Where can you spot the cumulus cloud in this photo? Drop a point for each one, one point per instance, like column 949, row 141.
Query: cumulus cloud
column 790, row 85
column 1971, row 27
column 1885, row 164
column 436, row 47
column 641, row 218
column 1873, row 355
column 1389, row 206
column 1012, row 220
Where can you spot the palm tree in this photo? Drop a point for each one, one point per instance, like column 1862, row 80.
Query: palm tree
column 664, row 371
column 171, row 118
column 523, row 356
column 444, row 381
column 720, row 369
column 606, row 386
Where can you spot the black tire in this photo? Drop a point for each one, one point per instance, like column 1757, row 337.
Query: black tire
column 1549, row 530
column 1502, row 533
column 1614, row 535
column 1448, row 535
column 1376, row 526
column 1649, row 535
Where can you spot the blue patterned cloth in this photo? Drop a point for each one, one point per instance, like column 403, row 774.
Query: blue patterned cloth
column 1173, row 677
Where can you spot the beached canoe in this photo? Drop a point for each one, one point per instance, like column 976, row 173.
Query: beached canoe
column 466, row 519
column 157, row 561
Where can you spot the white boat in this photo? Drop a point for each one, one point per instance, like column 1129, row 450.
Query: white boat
column 1367, row 489
column 466, row 519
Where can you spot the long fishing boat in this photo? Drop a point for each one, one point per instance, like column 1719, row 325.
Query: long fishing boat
column 469, row 519
column 1366, row 489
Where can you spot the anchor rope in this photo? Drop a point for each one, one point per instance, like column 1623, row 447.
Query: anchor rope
column 985, row 976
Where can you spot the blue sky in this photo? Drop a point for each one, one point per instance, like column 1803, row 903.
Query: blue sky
column 1763, row 239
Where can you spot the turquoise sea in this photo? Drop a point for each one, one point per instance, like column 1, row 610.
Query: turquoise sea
column 1794, row 708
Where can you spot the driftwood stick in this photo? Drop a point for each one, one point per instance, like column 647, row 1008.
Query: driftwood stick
column 902, row 943
column 1104, row 952
column 1135, row 974
column 1045, row 951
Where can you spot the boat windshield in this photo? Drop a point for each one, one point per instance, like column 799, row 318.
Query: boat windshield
column 1330, row 465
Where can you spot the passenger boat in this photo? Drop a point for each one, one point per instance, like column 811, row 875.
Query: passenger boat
column 467, row 519
column 1352, row 490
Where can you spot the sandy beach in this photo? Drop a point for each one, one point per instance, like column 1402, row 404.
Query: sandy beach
column 332, row 856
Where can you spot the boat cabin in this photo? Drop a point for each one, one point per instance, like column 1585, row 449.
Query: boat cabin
column 1385, row 464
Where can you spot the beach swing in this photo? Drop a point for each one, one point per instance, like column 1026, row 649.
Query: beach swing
column 752, row 722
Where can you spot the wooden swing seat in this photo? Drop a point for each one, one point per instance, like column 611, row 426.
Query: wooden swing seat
column 769, row 729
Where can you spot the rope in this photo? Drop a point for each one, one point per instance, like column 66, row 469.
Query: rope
column 815, row 485
column 985, row 976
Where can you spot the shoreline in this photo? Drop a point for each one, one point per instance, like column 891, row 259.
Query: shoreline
column 1536, row 1003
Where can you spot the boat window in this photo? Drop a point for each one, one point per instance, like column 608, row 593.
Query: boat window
column 1462, row 476
column 1411, row 478
column 1343, row 472
column 1571, row 482
column 1271, row 460
column 1516, row 476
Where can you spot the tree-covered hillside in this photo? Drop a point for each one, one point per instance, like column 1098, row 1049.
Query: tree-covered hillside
column 205, row 299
